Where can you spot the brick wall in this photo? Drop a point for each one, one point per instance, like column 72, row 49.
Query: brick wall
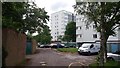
column 34, row 44
column 15, row 45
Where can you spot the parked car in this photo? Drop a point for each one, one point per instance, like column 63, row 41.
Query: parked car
column 38, row 45
column 44, row 46
column 62, row 44
column 89, row 48
column 52, row 44
column 114, row 56
column 41, row 46
column 57, row 46
column 66, row 46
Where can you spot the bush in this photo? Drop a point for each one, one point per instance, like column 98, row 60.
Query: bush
column 107, row 64
column 72, row 50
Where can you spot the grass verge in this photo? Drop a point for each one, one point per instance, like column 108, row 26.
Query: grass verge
column 71, row 50
column 108, row 64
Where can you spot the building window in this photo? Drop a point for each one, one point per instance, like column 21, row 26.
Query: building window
column 114, row 35
column 94, row 26
column 62, row 32
column 80, row 27
column 119, row 28
column 76, row 28
column 76, row 36
column 80, row 19
column 80, row 35
column 94, row 35
column 57, row 32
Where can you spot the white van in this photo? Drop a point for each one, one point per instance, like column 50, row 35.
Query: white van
column 89, row 48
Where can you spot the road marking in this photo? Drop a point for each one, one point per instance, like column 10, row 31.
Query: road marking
column 43, row 63
column 74, row 63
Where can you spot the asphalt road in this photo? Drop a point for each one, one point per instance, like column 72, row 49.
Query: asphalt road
column 51, row 57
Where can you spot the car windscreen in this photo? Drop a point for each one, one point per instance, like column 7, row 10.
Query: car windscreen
column 85, row 46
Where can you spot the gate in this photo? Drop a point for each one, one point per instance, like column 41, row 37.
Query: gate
column 114, row 47
column 29, row 48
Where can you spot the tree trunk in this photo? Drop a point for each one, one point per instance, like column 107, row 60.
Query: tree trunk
column 105, row 44
column 102, row 37
column 105, row 50
column 102, row 49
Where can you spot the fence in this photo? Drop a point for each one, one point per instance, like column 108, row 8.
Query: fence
column 31, row 47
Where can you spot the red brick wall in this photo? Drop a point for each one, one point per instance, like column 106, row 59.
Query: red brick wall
column 15, row 45
column 34, row 44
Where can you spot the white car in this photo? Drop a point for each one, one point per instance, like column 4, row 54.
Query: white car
column 114, row 56
column 52, row 44
column 89, row 48
column 41, row 46
column 63, row 44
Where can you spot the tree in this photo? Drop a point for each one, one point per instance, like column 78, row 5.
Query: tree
column 23, row 17
column 59, row 38
column 70, row 33
column 12, row 14
column 35, row 18
column 44, row 37
column 106, row 17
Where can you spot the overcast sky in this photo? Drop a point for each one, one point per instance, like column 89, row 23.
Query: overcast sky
column 52, row 6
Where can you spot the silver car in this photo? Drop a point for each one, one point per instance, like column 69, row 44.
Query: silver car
column 114, row 56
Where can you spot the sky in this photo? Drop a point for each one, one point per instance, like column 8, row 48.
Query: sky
column 52, row 6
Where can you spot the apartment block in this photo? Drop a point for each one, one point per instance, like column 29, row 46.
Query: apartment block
column 59, row 20
column 90, row 34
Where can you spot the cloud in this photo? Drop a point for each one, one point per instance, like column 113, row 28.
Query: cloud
column 58, row 5
column 52, row 6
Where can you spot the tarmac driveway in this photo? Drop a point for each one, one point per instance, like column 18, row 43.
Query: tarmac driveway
column 51, row 57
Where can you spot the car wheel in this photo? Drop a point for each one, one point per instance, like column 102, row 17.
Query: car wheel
column 89, row 53
column 110, row 59
column 79, row 52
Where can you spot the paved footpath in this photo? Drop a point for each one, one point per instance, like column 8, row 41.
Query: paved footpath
column 50, row 57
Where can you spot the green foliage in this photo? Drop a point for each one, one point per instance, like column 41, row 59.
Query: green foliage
column 60, row 37
column 35, row 18
column 95, row 12
column 108, row 63
column 44, row 37
column 105, row 16
column 12, row 14
column 71, row 50
column 23, row 17
column 70, row 33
